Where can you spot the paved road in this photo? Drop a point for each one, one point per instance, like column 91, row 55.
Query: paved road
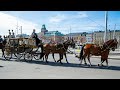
column 42, row 70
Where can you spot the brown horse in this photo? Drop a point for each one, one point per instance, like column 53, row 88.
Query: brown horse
column 103, row 51
column 107, row 46
column 61, row 49
column 88, row 50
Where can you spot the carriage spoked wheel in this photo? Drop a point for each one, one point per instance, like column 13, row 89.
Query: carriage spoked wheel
column 18, row 52
column 36, row 53
column 7, row 54
column 33, row 53
column 28, row 57
column 18, row 55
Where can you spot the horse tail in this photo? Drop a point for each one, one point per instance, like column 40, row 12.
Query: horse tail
column 81, row 52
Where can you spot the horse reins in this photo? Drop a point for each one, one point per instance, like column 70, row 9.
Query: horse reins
column 108, row 46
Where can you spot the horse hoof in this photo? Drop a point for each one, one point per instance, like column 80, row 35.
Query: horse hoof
column 61, row 63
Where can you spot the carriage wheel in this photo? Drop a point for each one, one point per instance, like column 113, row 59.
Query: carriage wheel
column 7, row 55
column 28, row 56
column 18, row 55
column 18, row 52
column 37, row 56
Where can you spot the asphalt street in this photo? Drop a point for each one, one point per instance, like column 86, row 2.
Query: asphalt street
column 52, row 70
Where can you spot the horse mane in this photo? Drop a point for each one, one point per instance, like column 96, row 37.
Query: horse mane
column 110, row 44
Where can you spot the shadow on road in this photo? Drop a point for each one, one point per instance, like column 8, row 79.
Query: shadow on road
column 73, row 65
column 1, row 66
column 69, row 65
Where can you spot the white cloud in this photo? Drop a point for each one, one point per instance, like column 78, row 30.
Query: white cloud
column 58, row 18
column 10, row 22
column 82, row 26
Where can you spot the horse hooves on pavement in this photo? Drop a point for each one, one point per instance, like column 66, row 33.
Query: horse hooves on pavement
column 102, row 65
column 90, row 65
column 46, row 61
column 58, row 61
column 61, row 63
column 67, row 62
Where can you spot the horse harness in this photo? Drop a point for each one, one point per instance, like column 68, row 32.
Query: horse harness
column 108, row 47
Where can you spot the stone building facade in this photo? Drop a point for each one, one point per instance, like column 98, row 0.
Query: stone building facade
column 98, row 36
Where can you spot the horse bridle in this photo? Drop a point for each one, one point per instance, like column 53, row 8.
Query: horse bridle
column 64, row 46
column 108, row 46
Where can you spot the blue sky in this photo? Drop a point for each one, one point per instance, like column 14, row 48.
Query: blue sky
column 79, row 21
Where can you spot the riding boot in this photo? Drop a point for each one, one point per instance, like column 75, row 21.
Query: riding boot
column 41, row 48
column 42, row 53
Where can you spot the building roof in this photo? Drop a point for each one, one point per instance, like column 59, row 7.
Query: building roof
column 77, row 34
column 52, row 33
column 108, row 31
column 23, row 35
column 73, row 34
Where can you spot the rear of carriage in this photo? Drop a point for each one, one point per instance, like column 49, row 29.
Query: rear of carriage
column 10, row 48
column 15, row 48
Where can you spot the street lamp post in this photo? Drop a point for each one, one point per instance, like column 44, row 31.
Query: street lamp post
column 21, row 31
column 106, row 19
column 54, row 37
column 114, row 32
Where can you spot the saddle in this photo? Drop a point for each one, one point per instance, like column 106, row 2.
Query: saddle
column 59, row 46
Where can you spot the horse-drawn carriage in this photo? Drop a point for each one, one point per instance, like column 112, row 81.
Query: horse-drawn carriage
column 26, row 48
column 21, row 48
